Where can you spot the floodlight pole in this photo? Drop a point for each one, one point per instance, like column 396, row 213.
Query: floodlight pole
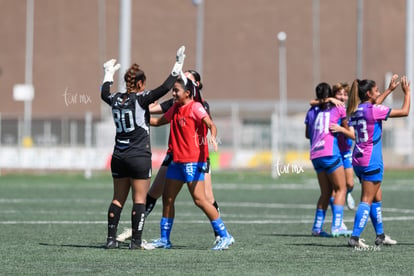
column 28, row 76
column 125, row 11
column 360, row 31
column 200, row 35
column 281, row 36
column 316, row 42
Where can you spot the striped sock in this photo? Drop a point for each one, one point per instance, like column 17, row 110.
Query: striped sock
column 337, row 216
column 319, row 220
column 376, row 217
column 361, row 218
column 219, row 227
column 166, row 227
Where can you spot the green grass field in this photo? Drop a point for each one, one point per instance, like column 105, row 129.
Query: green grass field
column 55, row 224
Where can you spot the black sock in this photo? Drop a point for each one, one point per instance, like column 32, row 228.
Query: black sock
column 114, row 214
column 216, row 206
column 382, row 236
column 149, row 205
column 218, row 210
column 137, row 220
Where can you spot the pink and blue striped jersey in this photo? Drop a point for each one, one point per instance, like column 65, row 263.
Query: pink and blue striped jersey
column 367, row 122
column 323, row 141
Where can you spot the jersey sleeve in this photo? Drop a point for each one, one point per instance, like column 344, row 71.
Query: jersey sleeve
column 106, row 93
column 381, row 112
column 309, row 115
column 151, row 96
column 199, row 111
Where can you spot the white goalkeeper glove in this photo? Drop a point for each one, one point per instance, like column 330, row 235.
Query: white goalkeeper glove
column 110, row 68
column 178, row 66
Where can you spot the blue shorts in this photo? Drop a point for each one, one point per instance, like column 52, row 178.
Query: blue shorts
column 327, row 163
column 187, row 172
column 372, row 173
column 347, row 159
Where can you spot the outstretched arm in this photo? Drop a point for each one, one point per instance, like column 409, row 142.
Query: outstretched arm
column 109, row 69
column 160, row 91
column 349, row 132
column 158, row 121
column 393, row 84
column 405, row 108
column 334, row 101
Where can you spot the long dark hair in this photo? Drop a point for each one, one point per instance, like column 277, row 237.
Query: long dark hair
column 187, row 85
column 196, row 89
column 323, row 91
column 359, row 89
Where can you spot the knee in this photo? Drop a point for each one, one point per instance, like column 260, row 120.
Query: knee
column 167, row 201
column 199, row 203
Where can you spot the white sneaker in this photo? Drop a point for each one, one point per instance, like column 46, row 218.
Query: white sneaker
column 146, row 245
column 357, row 243
column 385, row 241
column 224, row 243
column 217, row 240
column 350, row 202
column 125, row 235
column 143, row 246
column 343, row 226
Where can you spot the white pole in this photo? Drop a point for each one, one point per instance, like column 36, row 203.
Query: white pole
column 316, row 42
column 275, row 158
column 281, row 36
column 102, row 48
column 199, row 35
column 125, row 20
column 28, row 70
column 235, row 122
column 88, row 143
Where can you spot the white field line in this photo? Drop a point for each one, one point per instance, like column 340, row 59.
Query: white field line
column 230, row 218
column 250, row 222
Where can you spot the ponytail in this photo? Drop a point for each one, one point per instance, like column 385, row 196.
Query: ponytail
column 352, row 98
column 132, row 76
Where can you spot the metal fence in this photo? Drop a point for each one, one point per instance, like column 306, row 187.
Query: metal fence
column 241, row 127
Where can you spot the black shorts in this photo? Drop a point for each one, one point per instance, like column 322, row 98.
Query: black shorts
column 167, row 159
column 208, row 168
column 133, row 167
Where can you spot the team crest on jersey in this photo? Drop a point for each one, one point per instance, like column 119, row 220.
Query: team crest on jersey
column 182, row 121
column 202, row 110
column 121, row 102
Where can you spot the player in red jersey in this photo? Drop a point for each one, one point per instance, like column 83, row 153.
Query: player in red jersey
column 190, row 152
column 131, row 158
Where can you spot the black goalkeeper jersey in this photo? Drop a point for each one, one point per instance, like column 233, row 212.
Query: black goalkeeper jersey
column 131, row 117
